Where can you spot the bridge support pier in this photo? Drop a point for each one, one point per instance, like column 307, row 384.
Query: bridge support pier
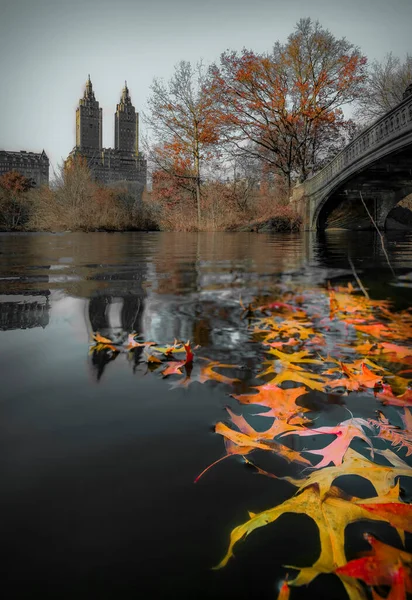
column 384, row 204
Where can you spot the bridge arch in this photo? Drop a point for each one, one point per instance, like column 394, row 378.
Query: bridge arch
column 376, row 164
column 380, row 187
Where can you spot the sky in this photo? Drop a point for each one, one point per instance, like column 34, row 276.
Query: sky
column 48, row 48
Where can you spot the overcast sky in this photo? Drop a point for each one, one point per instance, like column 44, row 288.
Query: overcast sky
column 48, row 47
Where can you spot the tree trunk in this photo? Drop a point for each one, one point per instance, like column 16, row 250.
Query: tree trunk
column 197, row 170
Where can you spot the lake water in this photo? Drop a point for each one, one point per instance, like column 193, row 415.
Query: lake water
column 99, row 452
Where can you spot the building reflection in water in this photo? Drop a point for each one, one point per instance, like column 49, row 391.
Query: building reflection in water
column 114, row 317
column 19, row 311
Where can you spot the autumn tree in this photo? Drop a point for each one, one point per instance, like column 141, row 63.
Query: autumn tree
column 13, row 200
column 384, row 88
column 289, row 103
column 184, row 131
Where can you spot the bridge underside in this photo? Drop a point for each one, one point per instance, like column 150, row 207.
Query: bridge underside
column 382, row 185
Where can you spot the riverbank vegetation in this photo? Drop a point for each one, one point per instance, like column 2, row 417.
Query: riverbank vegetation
column 75, row 202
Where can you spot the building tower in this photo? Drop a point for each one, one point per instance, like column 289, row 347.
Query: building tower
column 89, row 121
column 126, row 124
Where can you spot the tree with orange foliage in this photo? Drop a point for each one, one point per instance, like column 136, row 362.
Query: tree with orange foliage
column 13, row 205
column 288, row 102
column 182, row 120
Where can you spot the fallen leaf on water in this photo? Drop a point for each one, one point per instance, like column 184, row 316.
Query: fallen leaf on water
column 175, row 367
column 379, row 565
column 284, row 592
column 355, row 381
column 345, row 432
column 295, row 374
column 382, row 477
column 400, row 351
column 331, row 515
column 388, row 397
column 282, row 402
column 103, row 343
column 388, row 506
column 394, row 435
column 377, row 330
column 151, row 358
column 133, row 343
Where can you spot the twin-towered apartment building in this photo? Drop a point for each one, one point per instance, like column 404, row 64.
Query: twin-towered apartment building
column 107, row 165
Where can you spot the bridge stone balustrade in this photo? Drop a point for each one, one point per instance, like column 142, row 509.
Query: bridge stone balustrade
column 377, row 163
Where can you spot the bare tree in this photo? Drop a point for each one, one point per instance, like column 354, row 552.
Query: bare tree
column 182, row 124
column 385, row 86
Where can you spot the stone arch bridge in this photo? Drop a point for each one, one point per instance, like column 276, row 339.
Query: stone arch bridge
column 377, row 165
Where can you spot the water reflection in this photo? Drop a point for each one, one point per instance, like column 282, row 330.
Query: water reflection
column 114, row 317
column 184, row 286
column 98, row 486
column 24, row 312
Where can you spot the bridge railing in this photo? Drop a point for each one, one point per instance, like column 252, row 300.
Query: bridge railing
column 388, row 126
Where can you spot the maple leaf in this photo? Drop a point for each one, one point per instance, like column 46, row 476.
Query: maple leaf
column 345, row 432
column 387, row 396
column 382, row 477
column 378, row 566
column 355, row 381
column 331, row 515
column 281, row 402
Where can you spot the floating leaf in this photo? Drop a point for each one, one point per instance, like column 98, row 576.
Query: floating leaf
column 345, row 432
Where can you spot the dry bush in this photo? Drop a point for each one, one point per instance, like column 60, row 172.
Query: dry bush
column 279, row 218
column 224, row 206
column 76, row 202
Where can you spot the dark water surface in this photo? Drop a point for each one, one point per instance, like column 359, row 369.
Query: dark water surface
column 99, row 453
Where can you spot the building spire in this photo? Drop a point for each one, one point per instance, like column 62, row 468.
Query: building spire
column 88, row 92
column 125, row 99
